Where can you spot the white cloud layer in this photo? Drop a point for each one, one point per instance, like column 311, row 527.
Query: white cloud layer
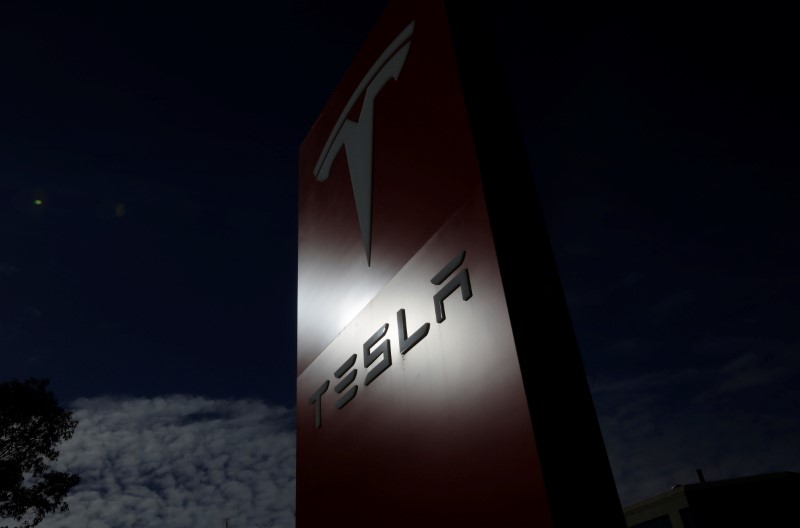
column 179, row 462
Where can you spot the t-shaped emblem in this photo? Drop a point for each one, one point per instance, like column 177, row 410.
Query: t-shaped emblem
column 356, row 136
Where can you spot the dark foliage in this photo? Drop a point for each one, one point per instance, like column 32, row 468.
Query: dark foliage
column 32, row 425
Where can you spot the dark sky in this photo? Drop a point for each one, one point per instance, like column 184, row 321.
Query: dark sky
column 162, row 140
column 190, row 119
column 664, row 149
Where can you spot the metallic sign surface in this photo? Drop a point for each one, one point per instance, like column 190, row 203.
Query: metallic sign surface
column 411, row 407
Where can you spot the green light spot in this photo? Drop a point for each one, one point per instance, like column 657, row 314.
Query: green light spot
column 38, row 202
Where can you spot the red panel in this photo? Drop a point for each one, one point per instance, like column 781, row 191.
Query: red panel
column 442, row 435
column 423, row 165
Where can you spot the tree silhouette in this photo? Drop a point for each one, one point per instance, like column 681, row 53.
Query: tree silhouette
column 32, row 424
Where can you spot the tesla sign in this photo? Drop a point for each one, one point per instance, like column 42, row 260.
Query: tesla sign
column 413, row 403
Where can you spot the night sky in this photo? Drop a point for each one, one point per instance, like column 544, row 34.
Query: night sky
column 148, row 234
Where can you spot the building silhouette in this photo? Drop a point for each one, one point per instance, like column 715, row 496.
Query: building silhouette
column 759, row 501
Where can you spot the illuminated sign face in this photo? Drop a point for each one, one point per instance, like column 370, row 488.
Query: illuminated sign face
column 405, row 342
column 411, row 406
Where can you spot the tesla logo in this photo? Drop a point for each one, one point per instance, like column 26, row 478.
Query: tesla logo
column 356, row 136
column 383, row 350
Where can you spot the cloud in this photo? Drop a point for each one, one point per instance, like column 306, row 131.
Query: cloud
column 660, row 426
column 7, row 269
column 651, row 450
column 179, row 461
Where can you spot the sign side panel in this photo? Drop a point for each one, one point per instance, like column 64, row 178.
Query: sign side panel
column 560, row 402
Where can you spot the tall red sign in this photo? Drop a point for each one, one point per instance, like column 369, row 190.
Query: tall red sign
column 417, row 390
